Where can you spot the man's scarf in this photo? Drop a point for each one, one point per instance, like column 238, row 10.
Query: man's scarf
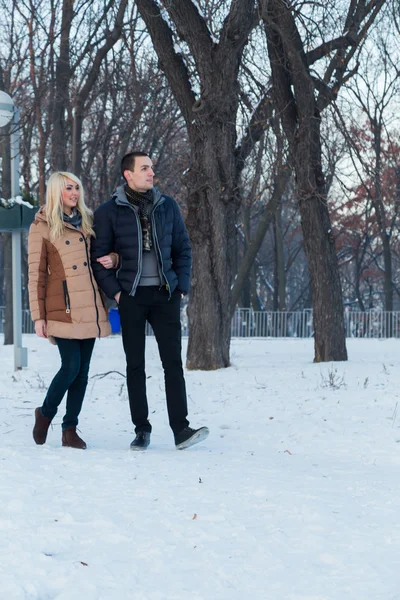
column 144, row 201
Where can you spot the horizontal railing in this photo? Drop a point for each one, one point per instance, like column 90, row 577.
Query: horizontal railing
column 247, row 323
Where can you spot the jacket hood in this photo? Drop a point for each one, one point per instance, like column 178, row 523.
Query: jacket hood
column 41, row 214
column 120, row 197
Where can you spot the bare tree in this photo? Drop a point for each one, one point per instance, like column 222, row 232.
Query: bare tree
column 210, row 117
column 375, row 93
column 303, row 86
column 92, row 72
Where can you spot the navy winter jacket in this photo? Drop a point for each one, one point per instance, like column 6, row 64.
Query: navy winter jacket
column 117, row 228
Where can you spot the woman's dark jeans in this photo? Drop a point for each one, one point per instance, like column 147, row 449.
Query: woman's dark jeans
column 73, row 376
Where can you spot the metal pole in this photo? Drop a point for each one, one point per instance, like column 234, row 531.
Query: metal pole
column 20, row 353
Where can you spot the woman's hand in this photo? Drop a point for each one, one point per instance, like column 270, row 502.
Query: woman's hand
column 109, row 261
column 41, row 328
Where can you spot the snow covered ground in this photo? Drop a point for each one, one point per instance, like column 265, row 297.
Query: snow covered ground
column 294, row 496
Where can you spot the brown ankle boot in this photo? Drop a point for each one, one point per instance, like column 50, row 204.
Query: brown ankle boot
column 41, row 427
column 71, row 439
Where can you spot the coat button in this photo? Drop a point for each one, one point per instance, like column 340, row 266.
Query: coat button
column 67, row 242
column 74, row 267
column 81, row 239
column 85, row 264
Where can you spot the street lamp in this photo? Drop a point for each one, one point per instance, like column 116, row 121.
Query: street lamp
column 10, row 114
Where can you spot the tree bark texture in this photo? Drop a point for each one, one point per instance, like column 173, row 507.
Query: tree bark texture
column 61, row 97
column 300, row 96
column 294, row 96
column 211, row 125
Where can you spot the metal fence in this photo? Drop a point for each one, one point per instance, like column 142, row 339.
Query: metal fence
column 247, row 323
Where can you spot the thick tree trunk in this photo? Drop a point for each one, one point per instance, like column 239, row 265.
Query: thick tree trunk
column 211, row 226
column 294, row 94
column 319, row 243
column 329, row 331
column 211, row 123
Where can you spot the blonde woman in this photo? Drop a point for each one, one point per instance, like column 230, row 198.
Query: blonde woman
column 65, row 302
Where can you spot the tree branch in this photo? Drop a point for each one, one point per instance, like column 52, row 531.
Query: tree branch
column 258, row 124
column 328, row 47
column 172, row 63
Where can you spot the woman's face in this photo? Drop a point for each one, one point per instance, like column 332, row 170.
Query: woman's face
column 70, row 196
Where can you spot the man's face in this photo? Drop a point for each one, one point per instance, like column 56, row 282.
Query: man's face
column 141, row 178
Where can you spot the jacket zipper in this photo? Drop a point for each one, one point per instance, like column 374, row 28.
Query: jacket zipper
column 66, row 298
column 140, row 238
column 155, row 238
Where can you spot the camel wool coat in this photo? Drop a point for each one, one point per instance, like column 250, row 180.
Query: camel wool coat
column 62, row 288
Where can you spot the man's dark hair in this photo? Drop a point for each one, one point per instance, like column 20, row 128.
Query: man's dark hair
column 128, row 161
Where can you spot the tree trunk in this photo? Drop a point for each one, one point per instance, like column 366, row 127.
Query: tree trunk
column 77, row 127
column 61, row 98
column 379, row 208
column 357, row 277
column 328, row 312
column 294, row 95
column 211, row 226
column 255, row 301
column 280, row 260
column 258, row 238
column 246, row 290
column 319, row 244
column 211, row 124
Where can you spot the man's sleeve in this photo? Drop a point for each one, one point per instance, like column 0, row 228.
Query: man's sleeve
column 181, row 251
column 102, row 244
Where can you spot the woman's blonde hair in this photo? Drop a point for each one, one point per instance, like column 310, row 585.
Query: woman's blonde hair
column 54, row 205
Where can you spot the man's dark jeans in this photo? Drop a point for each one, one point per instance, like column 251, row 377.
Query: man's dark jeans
column 154, row 305
column 73, row 376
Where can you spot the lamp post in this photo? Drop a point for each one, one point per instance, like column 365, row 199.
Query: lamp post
column 10, row 114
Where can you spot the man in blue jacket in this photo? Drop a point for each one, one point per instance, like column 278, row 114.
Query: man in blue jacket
column 146, row 230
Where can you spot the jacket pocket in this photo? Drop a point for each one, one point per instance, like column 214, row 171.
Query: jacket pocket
column 66, row 297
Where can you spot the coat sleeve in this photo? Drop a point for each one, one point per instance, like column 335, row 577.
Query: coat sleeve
column 181, row 251
column 102, row 244
column 37, row 272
